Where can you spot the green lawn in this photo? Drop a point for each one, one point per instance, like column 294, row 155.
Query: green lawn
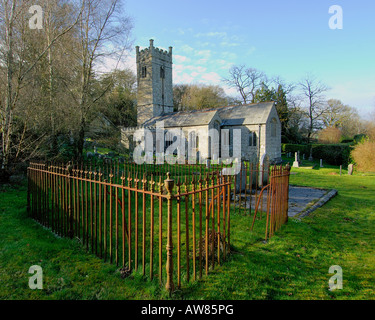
column 292, row 265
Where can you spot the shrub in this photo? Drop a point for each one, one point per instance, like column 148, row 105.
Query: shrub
column 359, row 137
column 347, row 141
column 363, row 156
column 334, row 154
column 330, row 135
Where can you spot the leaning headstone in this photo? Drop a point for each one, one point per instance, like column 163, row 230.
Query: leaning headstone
column 350, row 169
column 296, row 162
column 321, row 163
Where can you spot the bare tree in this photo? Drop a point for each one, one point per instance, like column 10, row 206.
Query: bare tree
column 313, row 91
column 17, row 62
column 344, row 117
column 103, row 34
column 247, row 81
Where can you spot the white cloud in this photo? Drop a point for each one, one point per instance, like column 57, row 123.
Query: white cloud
column 186, row 49
column 181, row 59
column 229, row 44
column 204, row 54
column 212, row 78
column 212, row 34
column 229, row 56
column 223, row 64
column 109, row 64
column 202, row 61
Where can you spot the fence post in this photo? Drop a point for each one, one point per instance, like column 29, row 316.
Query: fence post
column 28, row 191
column 69, row 170
column 169, row 183
column 288, row 168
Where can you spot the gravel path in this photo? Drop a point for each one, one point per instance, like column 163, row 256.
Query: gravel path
column 302, row 200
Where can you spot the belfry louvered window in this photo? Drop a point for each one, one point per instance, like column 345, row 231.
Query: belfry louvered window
column 144, row 72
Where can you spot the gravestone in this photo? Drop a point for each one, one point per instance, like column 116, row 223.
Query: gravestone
column 303, row 156
column 241, row 176
column 350, row 169
column 310, row 156
column 208, row 163
column 321, row 163
column 296, row 162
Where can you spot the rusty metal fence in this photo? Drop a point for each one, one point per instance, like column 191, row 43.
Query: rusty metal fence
column 138, row 222
column 275, row 194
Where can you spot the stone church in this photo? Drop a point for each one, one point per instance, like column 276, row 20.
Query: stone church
column 258, row 124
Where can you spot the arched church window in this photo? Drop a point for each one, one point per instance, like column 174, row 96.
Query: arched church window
column 225, row 136
column 252, row 139
column 273, row 127
column 192, row 139
column 162, row 72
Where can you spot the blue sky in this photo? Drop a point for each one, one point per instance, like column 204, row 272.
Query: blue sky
column 286, row 38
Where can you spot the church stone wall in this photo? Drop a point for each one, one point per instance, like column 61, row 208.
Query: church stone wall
column 273, row 143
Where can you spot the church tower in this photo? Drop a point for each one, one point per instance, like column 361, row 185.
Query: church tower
column 154, row 77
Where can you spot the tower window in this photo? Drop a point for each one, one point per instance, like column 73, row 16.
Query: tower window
column 144, row 72
column 162, row 73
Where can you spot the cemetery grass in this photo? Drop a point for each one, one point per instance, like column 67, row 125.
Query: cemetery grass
column 293, row 264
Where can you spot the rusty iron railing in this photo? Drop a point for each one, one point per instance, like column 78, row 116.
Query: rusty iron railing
column 277, row 197
column 247, row 186
column 123, row 217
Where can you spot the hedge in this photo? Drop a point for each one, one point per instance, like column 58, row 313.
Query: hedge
column 334, row 154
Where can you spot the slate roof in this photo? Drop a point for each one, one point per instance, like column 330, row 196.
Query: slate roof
column 183, row 119
column 256, row 113
column 248, row 114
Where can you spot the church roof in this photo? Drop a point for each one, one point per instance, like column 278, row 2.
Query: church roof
column 249, row 114
column 256, row 113
column 183, row 119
